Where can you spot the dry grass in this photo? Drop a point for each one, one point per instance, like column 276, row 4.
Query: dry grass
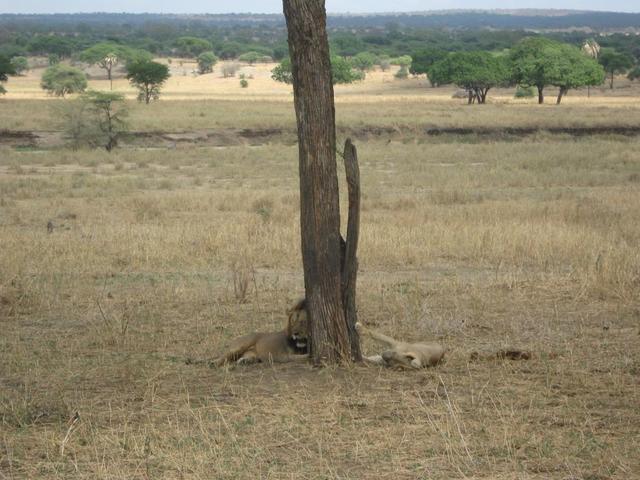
column 409, row 114
column 378, row 87
column 161, row 255
column 209, row 101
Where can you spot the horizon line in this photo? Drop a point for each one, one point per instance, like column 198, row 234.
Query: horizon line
column 504, row 11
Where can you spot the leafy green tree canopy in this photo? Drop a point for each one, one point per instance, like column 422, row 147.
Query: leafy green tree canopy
column 280, row 52
column 571, row 68
column 100, row 51
column 20, row 64
column 107, row 55
column 614, row 63
column 148, row 77
column 229, row 50
column 206, row 61
column 250, row 57
column 539, row 62
column 423, row 60
column 346, row 44
column 282, row 72
column 52, row 44
column 364, row 61
column 6, row 69
column 60, row 80
column 476, row 72
column 533, row 63
column 343, row 72
column 341, row 69
column 402, row 61
column 192, row 46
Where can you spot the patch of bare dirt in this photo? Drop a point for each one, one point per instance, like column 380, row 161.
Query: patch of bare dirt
column 259, row 136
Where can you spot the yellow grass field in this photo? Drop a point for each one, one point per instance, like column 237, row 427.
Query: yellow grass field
column 379, row 86
column 162, row 255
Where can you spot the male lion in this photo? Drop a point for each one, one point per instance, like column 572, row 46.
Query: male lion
column 287, row 345
column 402, row 354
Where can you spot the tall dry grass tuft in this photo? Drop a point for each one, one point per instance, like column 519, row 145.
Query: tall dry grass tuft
column 244, row 277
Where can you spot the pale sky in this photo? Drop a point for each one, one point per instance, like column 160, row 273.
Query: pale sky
column 275, row 6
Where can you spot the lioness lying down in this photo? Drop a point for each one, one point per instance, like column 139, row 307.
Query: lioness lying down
column 287, row 345
column 402, row 354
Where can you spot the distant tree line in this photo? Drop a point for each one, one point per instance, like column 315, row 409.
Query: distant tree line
column 358, row 44
column 231, row 36
column 595, row 21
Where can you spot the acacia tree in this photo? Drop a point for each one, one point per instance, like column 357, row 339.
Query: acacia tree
column 574, row 69
column 423, row 60
column 476, row 72
column 250, row 57
column 109, row 111
column 614, row 63
column 319, row 203
column 107, row 55
column 95, row 119
column 147, row 77
column 60, row 80
column 533, row 63
column 206, row 61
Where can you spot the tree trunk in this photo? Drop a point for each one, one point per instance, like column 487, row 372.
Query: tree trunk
column 350, row 262
column 611, row 82
column 319, row 202
column 483, row 96
column 561, row 93
column 540, row 95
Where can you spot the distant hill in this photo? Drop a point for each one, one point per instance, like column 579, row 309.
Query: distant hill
column 502, row 20
column 499, row 19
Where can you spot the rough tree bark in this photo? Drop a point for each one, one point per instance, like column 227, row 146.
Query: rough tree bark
column 350, row 261
column 483, row 95
column 561, row 93
column 540, row 94
column 319, row 201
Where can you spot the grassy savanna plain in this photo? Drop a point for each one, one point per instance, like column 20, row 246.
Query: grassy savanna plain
column 479, row 241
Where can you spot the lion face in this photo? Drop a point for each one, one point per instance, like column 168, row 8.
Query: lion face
column 401, row 359
column 298, row 325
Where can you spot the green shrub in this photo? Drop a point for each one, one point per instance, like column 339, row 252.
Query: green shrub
column 60, row 80
column 522, row 92
column 402, row 73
